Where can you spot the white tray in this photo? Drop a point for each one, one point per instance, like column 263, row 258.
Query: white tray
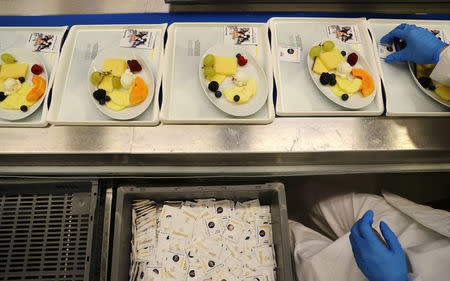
column 184, row 101
column 70, row 103
column 403, row 97
column 297, row 95
column 17, row 37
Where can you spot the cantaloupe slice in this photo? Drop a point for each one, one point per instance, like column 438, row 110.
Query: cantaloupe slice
column 368, row 85
column 38, row 88
column 138, row 91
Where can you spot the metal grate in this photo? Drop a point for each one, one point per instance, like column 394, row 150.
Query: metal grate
column 43, row 237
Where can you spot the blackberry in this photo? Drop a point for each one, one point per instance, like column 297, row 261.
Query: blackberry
column 22, row 79
column 324, row 78
column 102, row 101
column 99, row 94
column 213, row 86
column 332, row 76
column 344, row 97
column 2, row 96
column 332, row 82
column 24, row 108
column 107, row 98
column 432, row 87
column 425, row 81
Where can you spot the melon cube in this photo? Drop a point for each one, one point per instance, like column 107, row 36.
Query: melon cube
column 331, row 59
column 319, row 67
column 225, row 65
column 106, row 84
column 116, row 66
column 14, row 70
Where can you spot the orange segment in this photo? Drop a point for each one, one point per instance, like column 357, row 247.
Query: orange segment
column 139, row 91
column 38, row 89
column 368, row 85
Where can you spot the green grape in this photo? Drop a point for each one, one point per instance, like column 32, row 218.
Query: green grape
column 209, row 60
column 7, row 58
column 328, row 46
column 116, row 82
column 315, row 51
column 96, row 77
column 209, row 71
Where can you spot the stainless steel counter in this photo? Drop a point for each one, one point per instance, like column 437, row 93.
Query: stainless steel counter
column 288, row 146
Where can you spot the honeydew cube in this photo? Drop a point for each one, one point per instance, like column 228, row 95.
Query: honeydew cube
column 443, row 91
column 116, row 66
column 106, row 84
column 349, row 86
column 225, row 65
column 319, row 67
column 14, row 70
column 218, row 78
column 331, row 59
column 337, row 90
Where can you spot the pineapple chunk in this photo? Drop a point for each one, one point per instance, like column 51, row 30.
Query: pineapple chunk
column 319, row 67
column 116, row 66
column 2, row 88
column 14, row 70
column 218, row 78
column 106, row 84
column 331, row 59
column 225, row 65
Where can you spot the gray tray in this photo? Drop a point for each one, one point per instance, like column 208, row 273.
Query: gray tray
column 272, row 194
column 46, row 229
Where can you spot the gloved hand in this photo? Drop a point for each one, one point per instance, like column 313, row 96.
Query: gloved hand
column 374, row 259
column 422, row 46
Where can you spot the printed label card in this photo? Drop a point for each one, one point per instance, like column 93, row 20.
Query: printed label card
column 43, row 42
column 346, row 33
column 289, row 54
column 139, row 39
column 238, row 35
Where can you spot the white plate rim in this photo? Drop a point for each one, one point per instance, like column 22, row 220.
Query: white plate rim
column 428, row 92
column 130, row 112
column 14, row 115
column 325, row 90
column 239, row 110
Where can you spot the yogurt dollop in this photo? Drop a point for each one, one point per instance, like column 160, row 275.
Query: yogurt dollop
column 127, row 79
column 240, row 78
column 343, row 69
column 11, row 85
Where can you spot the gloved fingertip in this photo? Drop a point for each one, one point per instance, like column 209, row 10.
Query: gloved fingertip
column 390, row 237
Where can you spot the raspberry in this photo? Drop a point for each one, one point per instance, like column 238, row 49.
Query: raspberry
column 242, row 61
column 134, row 66
column 36, row 69
column 352, row 59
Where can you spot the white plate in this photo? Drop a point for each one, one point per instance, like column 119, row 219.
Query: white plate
column 146, row 74
column 430, row 93
column 355, row 101
column 252, row 68
column 24, row 55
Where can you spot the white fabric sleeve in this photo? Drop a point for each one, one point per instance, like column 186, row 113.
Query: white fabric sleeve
column 441, row 72
column 414, row 277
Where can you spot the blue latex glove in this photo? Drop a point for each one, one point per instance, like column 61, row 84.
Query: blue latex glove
column 422, row 46
column 377, row 262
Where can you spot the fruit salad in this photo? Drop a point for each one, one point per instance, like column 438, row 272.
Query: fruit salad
column 118, row 84
column 216, row 69
column 335, row 69
column 16, row 93
column 423, row 72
